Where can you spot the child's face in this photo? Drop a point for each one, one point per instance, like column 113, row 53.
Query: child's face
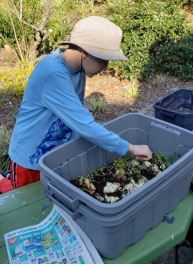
column 93, row 66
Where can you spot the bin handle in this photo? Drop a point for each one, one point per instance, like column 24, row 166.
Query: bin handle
column 71, row 203
column 75, row 215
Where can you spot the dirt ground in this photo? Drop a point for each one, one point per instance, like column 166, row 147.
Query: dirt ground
column 120, row 96
column 148, row 92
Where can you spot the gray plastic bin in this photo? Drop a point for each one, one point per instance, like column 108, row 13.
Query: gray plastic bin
column 112, row 227
column 79, row 157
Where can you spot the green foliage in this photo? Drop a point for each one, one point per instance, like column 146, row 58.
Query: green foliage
column 97, row 103
column 4, row 143
column 158, row 80
column 156, row 35
column 146, row 23
column 175, row 58
column 64, row 14
column 131, row 91
column 18, row 23
column 6, row 34
column 120, row 164
column 159, row 158
column 14, row 79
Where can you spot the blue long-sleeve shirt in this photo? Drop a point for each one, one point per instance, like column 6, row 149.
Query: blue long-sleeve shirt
column 52, row 113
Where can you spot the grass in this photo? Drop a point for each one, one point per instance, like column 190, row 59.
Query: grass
column 15, row 78
column 97, row 103
column 131, row 91
column 158, row 80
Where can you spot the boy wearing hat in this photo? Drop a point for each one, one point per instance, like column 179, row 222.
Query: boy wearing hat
column 52, row 111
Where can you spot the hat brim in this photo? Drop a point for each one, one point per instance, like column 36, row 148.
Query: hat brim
column 100, row 53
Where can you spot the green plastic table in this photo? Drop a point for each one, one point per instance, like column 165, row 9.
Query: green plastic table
column 28, row 205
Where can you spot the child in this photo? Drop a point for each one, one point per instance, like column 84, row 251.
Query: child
column 52, row 110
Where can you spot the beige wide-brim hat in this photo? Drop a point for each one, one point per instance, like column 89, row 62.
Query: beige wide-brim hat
column 98, row 37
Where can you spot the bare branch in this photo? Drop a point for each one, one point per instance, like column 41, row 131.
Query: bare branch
column 29, row 25
column 19, row 15
column 14, row 10
column 16, row 39
column 47, row 33
column 41, row 33
column 21, row 9
column 45, row 15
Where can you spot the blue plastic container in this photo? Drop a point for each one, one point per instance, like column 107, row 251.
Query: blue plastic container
column 176, row 108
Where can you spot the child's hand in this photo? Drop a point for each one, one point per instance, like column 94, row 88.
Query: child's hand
column 142, row 151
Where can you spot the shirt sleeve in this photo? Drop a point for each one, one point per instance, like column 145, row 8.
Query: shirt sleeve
column 59, row 96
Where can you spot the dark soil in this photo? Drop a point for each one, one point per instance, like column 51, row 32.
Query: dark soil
column 112, row 182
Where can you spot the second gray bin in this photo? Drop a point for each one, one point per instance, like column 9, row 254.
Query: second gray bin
column 112, row 227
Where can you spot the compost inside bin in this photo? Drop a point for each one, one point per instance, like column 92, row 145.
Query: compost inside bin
column 124, row 175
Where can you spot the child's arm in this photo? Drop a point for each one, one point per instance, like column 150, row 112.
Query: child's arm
column 59, row 97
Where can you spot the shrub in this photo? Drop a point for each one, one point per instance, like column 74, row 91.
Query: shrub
column 64, row 14
column 145, row 23
column 6, row 35
column 175, row 58
column 158, row 80
column 32, row 11
column 97, row 103
column 14, row 79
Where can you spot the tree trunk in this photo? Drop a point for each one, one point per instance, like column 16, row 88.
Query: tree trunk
column 41, row 33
